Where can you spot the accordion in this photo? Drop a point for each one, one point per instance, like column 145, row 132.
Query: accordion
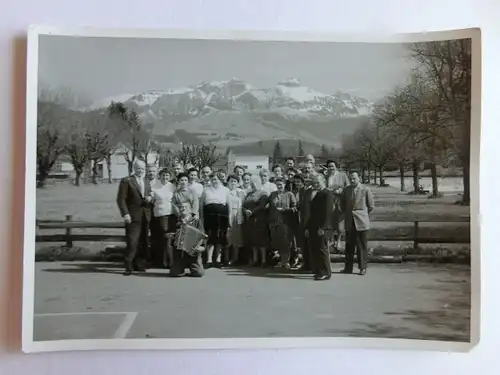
column 190, row 239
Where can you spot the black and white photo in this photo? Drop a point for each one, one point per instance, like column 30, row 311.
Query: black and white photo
column 290, row 190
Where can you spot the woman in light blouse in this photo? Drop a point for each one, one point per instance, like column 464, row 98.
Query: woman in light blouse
column 214, row 211
column 163, row 215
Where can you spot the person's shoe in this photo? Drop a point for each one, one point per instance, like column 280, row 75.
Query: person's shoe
column 362, row 271
column 322, row 277
column 127, row 273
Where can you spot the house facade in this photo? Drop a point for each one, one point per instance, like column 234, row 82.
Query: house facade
column 251, row 163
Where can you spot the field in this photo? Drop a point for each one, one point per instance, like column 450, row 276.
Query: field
column 91, row 300
column 97, row 203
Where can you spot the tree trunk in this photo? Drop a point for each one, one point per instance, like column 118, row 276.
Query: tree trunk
column 369, row 174
column 466, row 182
column 375, row 176
column 43, row 174
column 381, row 175
column 130, row 167
column 435, row 187
column 78, row 176
column 402, row 177
column 466, row 159
column 416, row 176
column 94, row 172
column 363, row 175
column 108, row 166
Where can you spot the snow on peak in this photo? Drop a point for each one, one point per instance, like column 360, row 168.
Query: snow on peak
column 294, row 91
column 290, row 82
column 235, row 94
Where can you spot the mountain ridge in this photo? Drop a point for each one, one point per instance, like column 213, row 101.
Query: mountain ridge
column 233, row 112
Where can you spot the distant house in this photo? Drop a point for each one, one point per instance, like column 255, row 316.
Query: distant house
column 250, row 162
column 119, row 165
column 221, row 164
column 63, row 168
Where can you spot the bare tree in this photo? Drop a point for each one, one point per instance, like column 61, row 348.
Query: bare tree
column 134, row 136
column 199, row 155
column 166, row 157
column 412, row 116
column 77, row 148
column 51, row 141
column 355, row 154
column 447, row 65
column 379, row 145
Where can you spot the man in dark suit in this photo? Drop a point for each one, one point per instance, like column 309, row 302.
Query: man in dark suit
column 301, row 196
column 357, row 204
column 318, row 226
column 134, row 202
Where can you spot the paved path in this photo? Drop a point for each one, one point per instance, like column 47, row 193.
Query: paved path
column 88, row 300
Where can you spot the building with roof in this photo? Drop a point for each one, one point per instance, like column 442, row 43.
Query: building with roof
column 252, row 163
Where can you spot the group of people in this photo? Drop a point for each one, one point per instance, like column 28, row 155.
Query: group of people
column 286, row 218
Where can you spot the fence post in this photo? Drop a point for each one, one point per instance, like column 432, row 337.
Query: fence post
column 415, row 235
column 69, row 240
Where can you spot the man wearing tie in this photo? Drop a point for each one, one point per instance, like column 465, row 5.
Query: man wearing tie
column 356, row 203
column 336, row 181
column 134, row 202
column 318, row 224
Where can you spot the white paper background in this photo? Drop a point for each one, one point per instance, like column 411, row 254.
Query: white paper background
column 326, row 15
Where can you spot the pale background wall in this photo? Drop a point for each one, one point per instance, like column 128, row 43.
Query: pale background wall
column 395, row 15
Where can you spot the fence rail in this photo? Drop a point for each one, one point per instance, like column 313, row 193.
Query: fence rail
column 69, row 237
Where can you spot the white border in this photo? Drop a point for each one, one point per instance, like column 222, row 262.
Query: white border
column 30, row 346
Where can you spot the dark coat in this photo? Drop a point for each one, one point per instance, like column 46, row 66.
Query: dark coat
column 131, row 202
column 319, row 210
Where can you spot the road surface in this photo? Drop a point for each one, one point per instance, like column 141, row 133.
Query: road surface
column 82, row 300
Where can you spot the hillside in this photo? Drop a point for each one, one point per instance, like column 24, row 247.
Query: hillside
column 233, row 113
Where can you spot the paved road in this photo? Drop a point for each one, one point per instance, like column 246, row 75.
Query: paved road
column 89, row 301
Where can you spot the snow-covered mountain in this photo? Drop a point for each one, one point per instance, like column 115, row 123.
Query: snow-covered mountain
column 234, row 111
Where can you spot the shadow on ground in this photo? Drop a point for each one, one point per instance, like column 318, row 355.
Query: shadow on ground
column 449, row 323
column 273, row 273
column 117, row 268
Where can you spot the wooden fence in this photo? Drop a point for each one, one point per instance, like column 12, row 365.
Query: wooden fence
column 69, row 237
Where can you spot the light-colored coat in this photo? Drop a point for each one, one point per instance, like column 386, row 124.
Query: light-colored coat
column 357, row 206
column 337, row 180
column 235, row 203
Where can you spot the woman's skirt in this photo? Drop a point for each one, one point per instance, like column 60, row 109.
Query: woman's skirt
column 280, row 237
column 234, row 233
column 216, row 221
column 259, row 234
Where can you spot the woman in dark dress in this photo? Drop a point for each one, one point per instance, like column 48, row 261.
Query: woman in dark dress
column 255, row 227
column 214, row 210
column 298, row 187
column 282, row 207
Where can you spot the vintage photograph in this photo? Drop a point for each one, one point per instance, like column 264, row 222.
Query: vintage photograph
column 195, row 188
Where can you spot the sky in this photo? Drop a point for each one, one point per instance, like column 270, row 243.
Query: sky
column 98, row 68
